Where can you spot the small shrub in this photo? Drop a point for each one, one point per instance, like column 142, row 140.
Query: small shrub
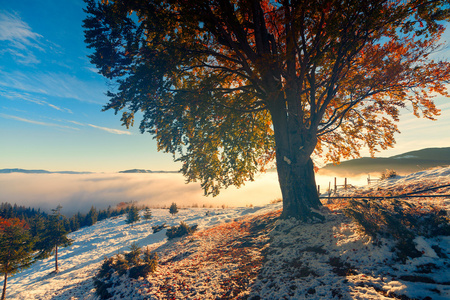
column 158, row 228
column 274, row 201
column 181, row 230
column 107, row 268
column 399, row 220
column 148, row 265
column 102, row 279
column 147, row 213
column 173, row 209
column 136, row 263
column 101, row 288
column 388, row 174
column 150, row 259
column 121, row 265
column 133, row 257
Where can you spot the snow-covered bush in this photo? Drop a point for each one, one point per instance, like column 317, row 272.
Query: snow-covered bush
column 400, row 220
column 158, row 228
column 181, row 230
column 135, row 263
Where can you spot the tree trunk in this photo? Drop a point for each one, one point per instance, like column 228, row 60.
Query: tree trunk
column 294, row 146
column 56, row 258
column 298, row 188
column 4, row 287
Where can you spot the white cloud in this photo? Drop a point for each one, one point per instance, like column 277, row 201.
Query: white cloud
column 76, row 123
column 92, row 69
column 31, row 98
column 59, row 108
column 11, row 117
column 13, row 29
column 54, row 84
column 111, row 130
column 26, row 58
column 19, row 38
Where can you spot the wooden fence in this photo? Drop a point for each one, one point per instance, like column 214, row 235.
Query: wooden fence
column 345, row 185
column 407, row 195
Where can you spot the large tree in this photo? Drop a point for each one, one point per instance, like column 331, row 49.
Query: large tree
column 228, row 86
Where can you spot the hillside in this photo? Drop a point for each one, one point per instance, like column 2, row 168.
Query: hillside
column 405, row 163
column 246, row 253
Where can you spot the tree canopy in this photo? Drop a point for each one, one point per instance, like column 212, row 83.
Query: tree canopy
column 228, row 86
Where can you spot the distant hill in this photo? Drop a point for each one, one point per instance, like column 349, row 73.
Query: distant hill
column 408, row 162
column 146, row 171
column 16, row 170
column 3, row 171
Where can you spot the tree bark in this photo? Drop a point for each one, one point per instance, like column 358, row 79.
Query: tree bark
column 4, row 287
column 295, row 168
column 298, row 188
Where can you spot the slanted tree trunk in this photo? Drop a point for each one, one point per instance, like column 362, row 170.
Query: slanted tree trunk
column 4, row 287
column 294, row 146
column 56, row 258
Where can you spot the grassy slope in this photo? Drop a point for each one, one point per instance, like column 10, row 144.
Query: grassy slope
column 405, row 163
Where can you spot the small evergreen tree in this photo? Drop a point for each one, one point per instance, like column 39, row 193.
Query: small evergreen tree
column 92, row 216
column 173, row 209
column 147, row 213
column 37, row 226
column 74, row 223
column 133, row 215
column 16, row 248
column 134, row 256
column 55, row 236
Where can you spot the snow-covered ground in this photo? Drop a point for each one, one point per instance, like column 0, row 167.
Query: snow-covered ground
column 243, row 253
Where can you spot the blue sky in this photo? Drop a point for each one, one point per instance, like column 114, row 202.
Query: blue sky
column 51, row 99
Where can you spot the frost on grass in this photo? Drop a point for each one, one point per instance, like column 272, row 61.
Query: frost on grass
column 245, row 253
column 335, row 260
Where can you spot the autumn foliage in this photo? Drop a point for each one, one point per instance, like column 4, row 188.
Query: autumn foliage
column 16, row 248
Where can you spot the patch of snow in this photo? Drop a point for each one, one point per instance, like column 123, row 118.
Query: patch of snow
column 320, row 260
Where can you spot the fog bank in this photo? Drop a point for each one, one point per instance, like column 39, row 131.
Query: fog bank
column 78, row 192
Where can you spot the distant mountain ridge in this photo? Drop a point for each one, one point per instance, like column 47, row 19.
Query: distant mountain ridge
column 408, row 162
column 16, row 170
column 146, row 171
